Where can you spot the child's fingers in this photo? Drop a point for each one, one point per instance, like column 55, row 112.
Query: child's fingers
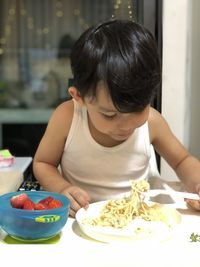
column 74, row 205
column 82, row 199
column 195, row 204
column 72, row 213
column 78, row 199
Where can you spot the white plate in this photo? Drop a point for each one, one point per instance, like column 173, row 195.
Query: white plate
column 150, row 230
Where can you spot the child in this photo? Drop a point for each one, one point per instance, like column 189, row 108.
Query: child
column 101, row 138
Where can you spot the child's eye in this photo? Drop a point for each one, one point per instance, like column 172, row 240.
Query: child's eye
column 109, row 116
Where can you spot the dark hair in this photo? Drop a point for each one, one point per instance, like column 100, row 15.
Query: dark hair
column 124, row 55
column 64, row 47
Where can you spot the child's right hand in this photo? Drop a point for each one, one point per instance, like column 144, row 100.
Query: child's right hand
column 78, row 198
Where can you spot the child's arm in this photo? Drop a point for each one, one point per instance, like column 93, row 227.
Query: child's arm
column 167, row 145
column 48, row 156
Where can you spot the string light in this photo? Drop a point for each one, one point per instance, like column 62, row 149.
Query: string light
column 116, row 8
column 11, row 11
column 23, row 12
column 59, row 9
column 45, row 30
column 130, row 9
column 30, row 23
column 59, row 13
column 3, row 41
column 81, row 20
column 119, row 7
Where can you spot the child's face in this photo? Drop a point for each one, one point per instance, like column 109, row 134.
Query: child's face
column 107, row 120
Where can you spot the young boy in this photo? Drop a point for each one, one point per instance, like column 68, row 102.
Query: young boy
column 101, row 138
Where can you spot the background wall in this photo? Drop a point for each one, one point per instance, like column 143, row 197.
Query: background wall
column 194, row 133
column 181, row 77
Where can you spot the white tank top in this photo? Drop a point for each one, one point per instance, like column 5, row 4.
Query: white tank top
column 104, row 172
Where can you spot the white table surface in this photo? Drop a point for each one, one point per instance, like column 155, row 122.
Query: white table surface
column 11, row 177
column 75, row 249
column 20, row 164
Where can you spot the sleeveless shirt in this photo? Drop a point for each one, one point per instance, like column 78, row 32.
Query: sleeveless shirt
column 103, row 172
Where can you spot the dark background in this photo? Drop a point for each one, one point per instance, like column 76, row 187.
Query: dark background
column 23, row 139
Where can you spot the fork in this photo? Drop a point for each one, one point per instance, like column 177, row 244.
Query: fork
column 172, row 193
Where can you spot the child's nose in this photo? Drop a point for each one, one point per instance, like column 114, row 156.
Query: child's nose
column 126, row 123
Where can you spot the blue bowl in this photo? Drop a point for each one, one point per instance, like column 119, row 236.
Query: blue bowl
column 33, row 224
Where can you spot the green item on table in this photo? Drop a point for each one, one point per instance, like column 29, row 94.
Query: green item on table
column 194, row 237
column 5, row 153
column 10, row 240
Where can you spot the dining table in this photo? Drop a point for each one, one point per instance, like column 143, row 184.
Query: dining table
column 72, row 247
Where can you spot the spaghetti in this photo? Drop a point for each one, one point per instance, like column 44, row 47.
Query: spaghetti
column 119, row 213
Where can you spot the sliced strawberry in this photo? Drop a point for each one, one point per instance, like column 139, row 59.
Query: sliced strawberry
column 41, row 206
column 46, row 200
column 18, row 200
column 55, row 204
column 29, row 205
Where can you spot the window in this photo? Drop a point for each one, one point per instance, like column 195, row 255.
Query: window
column 35, row 41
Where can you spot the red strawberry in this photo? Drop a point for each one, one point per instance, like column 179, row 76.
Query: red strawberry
column 55, row 204
column 46, row 200
column 29, row 205
column 41, row 206
column 18, row 200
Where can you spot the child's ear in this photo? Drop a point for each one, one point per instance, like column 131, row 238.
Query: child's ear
column 75, row 94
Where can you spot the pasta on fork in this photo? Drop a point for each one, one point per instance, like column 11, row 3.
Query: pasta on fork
column 119, row 213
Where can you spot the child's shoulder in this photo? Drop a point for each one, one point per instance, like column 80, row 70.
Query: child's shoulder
column 154, row 115
column 66, row 107
column 63, row 115
column 157, row 124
